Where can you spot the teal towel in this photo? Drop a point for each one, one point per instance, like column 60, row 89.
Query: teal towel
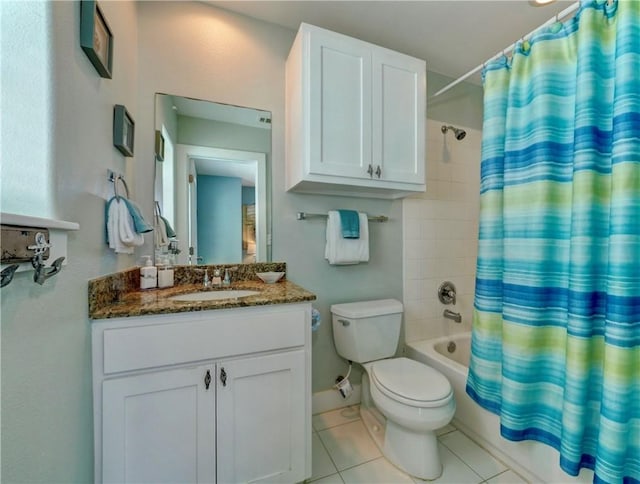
column 139, row 223
column 168, row 227
column 349, row 224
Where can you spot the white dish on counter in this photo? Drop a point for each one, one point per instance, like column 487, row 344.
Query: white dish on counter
column 270, row 277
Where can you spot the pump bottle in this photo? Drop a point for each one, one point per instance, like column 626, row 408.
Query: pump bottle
column 148, row 274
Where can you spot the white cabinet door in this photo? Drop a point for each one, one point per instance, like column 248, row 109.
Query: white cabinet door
column 261, row 419
column 159, row 427
column 340, row 105
column 399, row 111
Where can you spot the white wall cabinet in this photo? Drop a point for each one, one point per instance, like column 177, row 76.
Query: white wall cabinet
column 355, row 117
column 216, row 396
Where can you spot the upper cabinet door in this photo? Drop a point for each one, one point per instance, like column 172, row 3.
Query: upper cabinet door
column 355, row 117
column 399, row 111
column 340, row 105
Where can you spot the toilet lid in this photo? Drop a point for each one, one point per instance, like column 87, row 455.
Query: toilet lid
column 410, row 380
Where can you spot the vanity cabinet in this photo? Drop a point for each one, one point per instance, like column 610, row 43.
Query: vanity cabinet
column 355, row 117
column 212, row 396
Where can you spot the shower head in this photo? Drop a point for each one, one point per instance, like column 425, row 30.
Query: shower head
column 459, row 133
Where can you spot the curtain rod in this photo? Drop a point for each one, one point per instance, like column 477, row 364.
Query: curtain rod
column 559, row 16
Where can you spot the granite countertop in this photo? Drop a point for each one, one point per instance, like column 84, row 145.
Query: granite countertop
column 117, row 296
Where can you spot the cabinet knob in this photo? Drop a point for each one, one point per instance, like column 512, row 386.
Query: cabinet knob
column 370, row 171
column 207, row 380
column 223, row 377
column 378, row 171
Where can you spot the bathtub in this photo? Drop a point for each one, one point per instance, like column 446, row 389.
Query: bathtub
column 532, row 460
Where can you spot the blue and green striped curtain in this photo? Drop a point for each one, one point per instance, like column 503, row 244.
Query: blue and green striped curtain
column 556, row 330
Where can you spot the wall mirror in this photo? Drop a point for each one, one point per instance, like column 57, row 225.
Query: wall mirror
column 212, row 187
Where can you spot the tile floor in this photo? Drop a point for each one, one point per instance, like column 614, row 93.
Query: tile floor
column 344, row 452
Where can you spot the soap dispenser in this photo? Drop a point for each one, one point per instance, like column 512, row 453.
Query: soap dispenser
column 148, row 274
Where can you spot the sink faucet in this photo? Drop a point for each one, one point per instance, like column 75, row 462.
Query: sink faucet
column 227, row 275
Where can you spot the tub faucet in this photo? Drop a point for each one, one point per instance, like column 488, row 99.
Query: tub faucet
column 457, row 317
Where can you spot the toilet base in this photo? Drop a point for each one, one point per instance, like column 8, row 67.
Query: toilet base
column 414, row 453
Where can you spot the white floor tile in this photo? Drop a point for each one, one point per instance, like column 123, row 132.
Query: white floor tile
column 339, row 416
column 472, row 454
column 321, row 465
column 454, row 470
column 379, row 471
column 349, row 444
column 445, row 430
column 508, row 477
column 332, row 479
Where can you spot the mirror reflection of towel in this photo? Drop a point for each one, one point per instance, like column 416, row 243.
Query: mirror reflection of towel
column 341, row 251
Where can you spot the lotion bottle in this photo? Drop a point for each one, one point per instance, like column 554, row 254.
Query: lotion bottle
column 148, row 274
column 165, row 274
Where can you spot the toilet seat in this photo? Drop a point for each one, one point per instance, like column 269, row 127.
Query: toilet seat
column 411, row 382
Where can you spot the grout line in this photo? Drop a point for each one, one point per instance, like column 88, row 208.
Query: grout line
column 460, row 457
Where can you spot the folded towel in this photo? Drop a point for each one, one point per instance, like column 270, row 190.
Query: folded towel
column 160, row 236
column 121, row 233
column 341, row 251
column 141, row 226
column 170, row 232
column 349, row 224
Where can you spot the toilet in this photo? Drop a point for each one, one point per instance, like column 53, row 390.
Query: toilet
column 403, row 401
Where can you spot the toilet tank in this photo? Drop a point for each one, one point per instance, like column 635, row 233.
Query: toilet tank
column 367, row 330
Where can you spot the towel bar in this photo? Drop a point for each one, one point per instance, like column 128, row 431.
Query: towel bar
column 371, row 218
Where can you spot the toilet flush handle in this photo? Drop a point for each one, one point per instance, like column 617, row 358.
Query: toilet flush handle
column 344, row 322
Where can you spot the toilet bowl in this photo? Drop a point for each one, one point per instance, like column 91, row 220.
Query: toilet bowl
column 403, row 401
column 415, row 404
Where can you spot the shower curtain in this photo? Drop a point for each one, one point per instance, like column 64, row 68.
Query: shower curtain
column 556, row 330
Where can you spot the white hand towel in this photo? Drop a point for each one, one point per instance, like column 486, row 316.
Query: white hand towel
column 340, row 251
column 120, row 229
column 126, row 229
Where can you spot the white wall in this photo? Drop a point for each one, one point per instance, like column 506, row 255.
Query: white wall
column 441, row 235
column 183, row 48
column 46, row 357
column 198, row 51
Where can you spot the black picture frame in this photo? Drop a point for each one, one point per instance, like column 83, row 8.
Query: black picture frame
column 96, row 38
column 159, row 146
column 123, row 130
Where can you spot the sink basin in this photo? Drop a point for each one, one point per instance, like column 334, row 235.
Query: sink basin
column 213, row 295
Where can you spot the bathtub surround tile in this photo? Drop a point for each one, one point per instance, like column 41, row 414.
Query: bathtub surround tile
column 349, row 445
column 378, row 471
column 336, row 417
column 475, row 456
column 507, row 477
column 321, row 464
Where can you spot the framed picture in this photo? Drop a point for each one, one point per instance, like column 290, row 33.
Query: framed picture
column 123, row 130
column 159, row 146
column 96, row 38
